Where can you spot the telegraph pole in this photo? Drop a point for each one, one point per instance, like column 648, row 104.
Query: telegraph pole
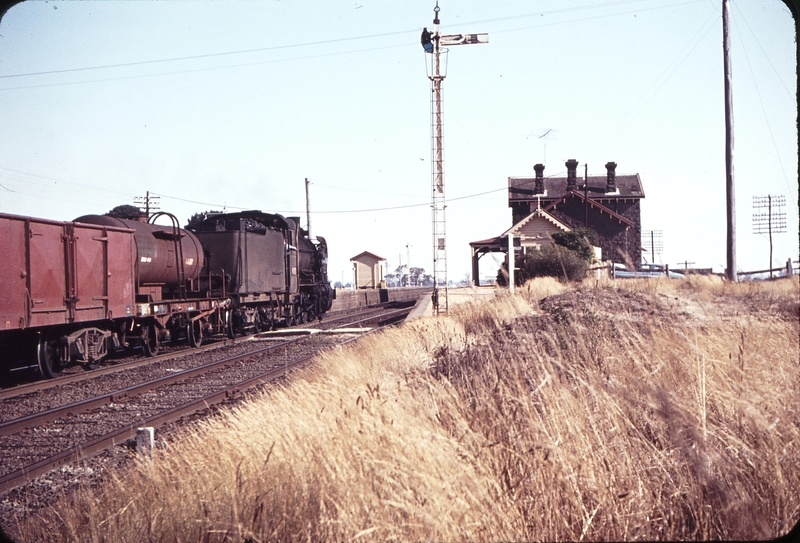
column 408, row 262
column 308, row 211
column 773, row 221
column 730, row 200
column 434, row 43
column 148, row 202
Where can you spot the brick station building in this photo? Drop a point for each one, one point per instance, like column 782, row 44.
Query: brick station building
column 607, row 204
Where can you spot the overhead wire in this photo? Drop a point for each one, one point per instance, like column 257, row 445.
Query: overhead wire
column 196, row 70
column 307, row 44
column 207, row 55
column 769, row 61
column 333, row 212
column 763, row 109
column 661, row 80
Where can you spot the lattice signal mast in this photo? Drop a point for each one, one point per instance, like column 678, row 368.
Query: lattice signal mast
column 435, row 43
column 773, row 221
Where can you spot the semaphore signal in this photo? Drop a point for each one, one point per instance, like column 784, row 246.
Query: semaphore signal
column 433, row 42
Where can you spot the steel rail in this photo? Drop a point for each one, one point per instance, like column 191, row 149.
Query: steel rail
column 36, row 386
column 28, row 388
column 121, row 435
column 16, row 425
column 98, row 444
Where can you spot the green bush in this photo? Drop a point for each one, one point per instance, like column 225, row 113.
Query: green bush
column 548, row 261
column 579, row 240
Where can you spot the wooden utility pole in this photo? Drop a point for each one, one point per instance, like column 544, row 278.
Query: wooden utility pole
column 308, row 212
column 729, row 192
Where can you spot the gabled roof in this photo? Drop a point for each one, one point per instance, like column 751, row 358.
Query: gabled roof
column 539, row 212
column 522, row 188
column 367, row 253
column 594, row 204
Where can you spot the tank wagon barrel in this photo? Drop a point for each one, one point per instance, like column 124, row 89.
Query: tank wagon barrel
column 159, row 259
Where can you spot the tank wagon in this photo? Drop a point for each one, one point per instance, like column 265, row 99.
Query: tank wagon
column 72, row 292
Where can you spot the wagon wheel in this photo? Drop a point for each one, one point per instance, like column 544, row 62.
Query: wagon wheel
column 260, row 322
column 194, row 333
column 93, row 365
column 149, row 339
column 49, row 363
column 233, row 324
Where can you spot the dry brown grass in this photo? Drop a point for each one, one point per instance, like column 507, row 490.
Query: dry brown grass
column 618, row 411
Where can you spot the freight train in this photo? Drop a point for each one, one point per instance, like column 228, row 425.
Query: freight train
column 74, row 292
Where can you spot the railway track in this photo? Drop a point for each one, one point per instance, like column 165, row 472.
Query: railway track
column 44, row 426
column 333, row 320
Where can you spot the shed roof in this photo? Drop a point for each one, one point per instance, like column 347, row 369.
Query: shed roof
column 367, row 254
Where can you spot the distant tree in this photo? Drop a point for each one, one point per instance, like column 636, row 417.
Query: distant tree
column 400, row 275
column 392, row 279
column 197, row 218
column 127, row 212
column 337, row 284
column 415, row 275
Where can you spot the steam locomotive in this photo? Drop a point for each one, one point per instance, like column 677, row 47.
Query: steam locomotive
column 73, row 292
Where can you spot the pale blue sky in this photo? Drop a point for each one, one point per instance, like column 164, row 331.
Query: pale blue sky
column 213, row 104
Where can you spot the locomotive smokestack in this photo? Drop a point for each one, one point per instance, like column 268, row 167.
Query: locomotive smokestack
column 539, row 188
column 572, row 176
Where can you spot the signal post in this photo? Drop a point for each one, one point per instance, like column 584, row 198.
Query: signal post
column 434, row 43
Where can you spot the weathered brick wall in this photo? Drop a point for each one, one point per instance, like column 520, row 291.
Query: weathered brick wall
column 613, row 237
column 348, row 299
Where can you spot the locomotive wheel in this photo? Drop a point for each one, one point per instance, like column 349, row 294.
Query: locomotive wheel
column 150, row 339
column 49, row 364
column 194, row 333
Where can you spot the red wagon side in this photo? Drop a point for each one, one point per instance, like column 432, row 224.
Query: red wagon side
column 62, row 283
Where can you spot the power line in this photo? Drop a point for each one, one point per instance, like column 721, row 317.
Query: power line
column 761, row 103
column 663, row 6
column 332, row 212
column 669, row 71
column 778, row 75
column 194, row 70
column 208, row 55
column 307, row 44
column 364, row 191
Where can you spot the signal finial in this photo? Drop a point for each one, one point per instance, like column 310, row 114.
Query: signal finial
column 436, row 13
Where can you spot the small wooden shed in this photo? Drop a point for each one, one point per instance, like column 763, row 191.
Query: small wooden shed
column 368, row 270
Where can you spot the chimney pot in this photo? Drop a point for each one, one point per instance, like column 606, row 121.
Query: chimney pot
column 539, row 188
column 572, row 177
column 611, row 177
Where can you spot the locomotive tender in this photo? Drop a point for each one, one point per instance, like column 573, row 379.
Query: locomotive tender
column 72, row 292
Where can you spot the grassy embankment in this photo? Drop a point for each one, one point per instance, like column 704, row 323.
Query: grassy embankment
column 639, row 409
